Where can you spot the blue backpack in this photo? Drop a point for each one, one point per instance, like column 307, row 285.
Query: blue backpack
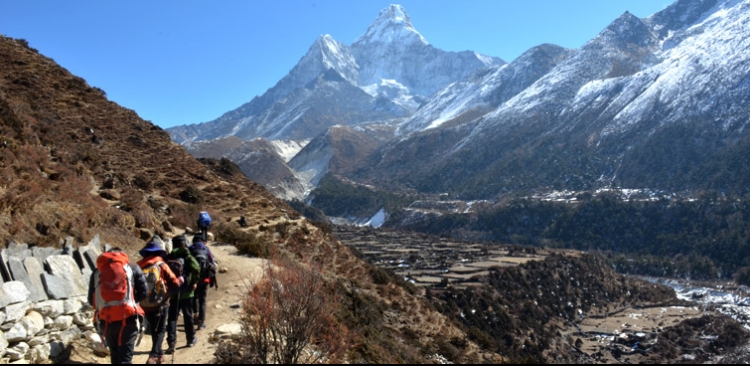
column 204, row 220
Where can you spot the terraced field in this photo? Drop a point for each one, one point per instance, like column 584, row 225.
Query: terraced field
column 427, row 260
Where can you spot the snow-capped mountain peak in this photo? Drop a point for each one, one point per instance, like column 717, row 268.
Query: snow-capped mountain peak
column 392, row 25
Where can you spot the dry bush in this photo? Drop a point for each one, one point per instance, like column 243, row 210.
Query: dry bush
column 193, row 195
column 247, row 243
column 288, row 318
column 184, row 215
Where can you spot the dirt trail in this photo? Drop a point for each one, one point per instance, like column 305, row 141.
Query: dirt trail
column 241, row 271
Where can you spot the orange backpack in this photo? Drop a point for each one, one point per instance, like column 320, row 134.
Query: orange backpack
column 114, row 295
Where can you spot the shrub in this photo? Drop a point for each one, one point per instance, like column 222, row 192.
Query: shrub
column 245, row 242
column 192, row 195
column 288, row 312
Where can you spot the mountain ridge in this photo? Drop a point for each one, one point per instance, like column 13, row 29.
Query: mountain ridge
column 386, row 81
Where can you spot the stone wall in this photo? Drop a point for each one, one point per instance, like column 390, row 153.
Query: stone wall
column 43, row 305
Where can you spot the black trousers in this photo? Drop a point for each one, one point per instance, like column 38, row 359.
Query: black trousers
column 199, row 301
column 157, row 321
column 120, row 338
column 175, row 307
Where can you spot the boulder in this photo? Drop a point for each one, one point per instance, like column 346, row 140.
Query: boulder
column 14, row 292
column 65, row 267
column 56, row 287
column 34, row 286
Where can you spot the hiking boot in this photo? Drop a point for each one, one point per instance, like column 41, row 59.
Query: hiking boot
column 155, row 360
column 200, row 326
column 170, row 349
column 193, row 342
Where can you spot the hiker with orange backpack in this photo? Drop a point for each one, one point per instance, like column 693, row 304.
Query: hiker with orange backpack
column 115, row 288
column 181, row 299
column 159, row 278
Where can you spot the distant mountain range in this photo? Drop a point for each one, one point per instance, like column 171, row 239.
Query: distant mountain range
column 658, row 103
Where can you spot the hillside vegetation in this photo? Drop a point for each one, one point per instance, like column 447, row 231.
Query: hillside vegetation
column 73, row 163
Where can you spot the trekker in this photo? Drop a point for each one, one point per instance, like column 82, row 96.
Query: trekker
column 243, row 221
column 204, row 223
column 205, row 259
column 159, row 278
column 115, row 288
column 182, row 264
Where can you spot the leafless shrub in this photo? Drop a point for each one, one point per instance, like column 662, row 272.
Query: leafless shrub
column 289, row 318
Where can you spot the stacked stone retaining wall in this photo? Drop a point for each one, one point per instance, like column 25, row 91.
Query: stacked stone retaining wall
column 43, row 305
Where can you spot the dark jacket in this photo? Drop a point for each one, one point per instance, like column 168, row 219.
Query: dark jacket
column 202, row 246
column 192, row 273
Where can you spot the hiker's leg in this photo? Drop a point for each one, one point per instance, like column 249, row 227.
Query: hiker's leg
column 121, row 340
column 173, row 315
column 204, row 234
column 111, row 332
column 129, row 337
column 158, row 320
column 200, row 301
column 187, row 315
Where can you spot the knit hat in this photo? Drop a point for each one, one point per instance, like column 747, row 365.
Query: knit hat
column 198, row 238
column 152, row 248
column 178, row 241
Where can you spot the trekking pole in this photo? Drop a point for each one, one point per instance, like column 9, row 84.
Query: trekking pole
column 141, row 327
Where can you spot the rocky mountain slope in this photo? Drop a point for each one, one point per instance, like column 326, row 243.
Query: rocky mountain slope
column 384, row 75
column 76, row 164
column 334, row 151
column 648, row 103
column 259, row 159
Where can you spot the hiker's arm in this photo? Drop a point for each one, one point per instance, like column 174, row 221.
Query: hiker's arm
column 91, row 287
column 195, row 270
column 172, row 279
column 139, row 283
column 210, row 256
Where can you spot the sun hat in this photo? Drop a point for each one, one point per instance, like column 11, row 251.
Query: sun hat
column 152, row 248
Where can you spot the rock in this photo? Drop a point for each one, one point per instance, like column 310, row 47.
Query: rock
column 83, row 320
column 40, row 353
column 15, row 312
column 95, row 342
column 14, row 292
column 69, row 335
column 16, row 333
column 56, row 349
column 33, row 322
column 48, row 322
column 66, row 267
column 18, row 352
column 41, row 253
column 56, row 287
column 230, row 330
column 3, row 344
column 19, row 251
column 62, row 322
column 34, row 269
column 73, row 305
column 18, row 270
column 67, row 245
column 43, row 339
column 223, row 270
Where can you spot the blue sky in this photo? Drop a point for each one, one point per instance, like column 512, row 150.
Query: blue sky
column 179, row 62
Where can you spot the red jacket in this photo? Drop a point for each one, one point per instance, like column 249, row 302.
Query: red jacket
column 166, row 272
